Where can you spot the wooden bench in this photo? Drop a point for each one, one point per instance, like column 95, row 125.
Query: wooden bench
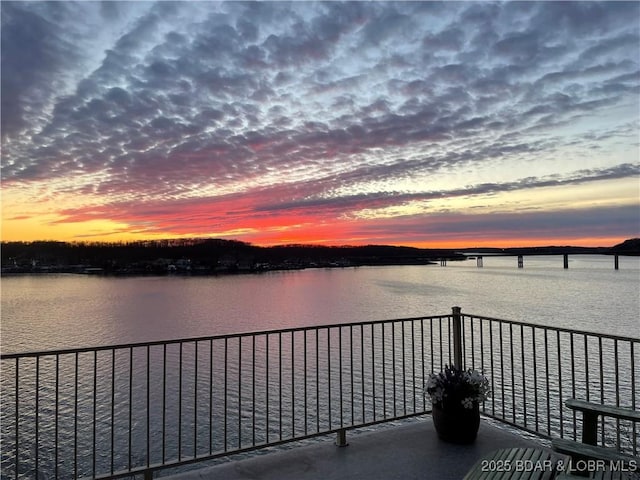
column 588, row 449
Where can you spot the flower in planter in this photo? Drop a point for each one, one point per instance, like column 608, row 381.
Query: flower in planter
column 455, row 388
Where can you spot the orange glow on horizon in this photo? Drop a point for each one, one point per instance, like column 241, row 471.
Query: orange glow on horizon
column 342, row 238
column 284, row 230
column 314, row 235
column 247, row 222
column 497, row 242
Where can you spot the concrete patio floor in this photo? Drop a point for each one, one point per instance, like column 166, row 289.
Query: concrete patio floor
column 404, row 450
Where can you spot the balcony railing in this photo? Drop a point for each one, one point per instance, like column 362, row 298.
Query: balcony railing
column 126, row 410
column 534, row 369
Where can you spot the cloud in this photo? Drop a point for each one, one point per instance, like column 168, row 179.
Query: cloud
column 309, row 205
column 533, row 226
column 322, row 102
column 29, row 81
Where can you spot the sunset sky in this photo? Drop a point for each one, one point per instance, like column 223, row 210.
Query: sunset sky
column 426, row 124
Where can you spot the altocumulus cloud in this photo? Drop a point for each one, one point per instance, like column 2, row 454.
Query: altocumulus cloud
column 229, row 114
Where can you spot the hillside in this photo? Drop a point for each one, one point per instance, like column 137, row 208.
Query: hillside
column 212, row 256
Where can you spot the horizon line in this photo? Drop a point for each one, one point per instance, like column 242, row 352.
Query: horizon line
column 310, row 245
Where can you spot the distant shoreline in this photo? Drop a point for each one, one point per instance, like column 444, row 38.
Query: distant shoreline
column 221, row 257
column 198, row 272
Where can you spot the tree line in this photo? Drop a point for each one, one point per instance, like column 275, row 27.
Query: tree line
column 210, row 253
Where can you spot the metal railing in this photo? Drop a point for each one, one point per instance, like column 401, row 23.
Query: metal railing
column 113, row 412
column 533, row 369
column 126, row 410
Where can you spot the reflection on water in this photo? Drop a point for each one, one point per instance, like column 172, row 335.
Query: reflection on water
column 59, row 311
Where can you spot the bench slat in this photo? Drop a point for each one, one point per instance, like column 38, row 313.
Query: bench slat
column 591, row 451
column 624, row 413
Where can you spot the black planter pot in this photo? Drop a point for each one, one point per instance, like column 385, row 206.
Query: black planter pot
column 457, row 425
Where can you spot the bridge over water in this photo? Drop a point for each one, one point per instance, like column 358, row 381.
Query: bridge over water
column 479, row 257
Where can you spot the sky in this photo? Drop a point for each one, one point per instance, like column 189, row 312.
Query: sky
column 399, row 123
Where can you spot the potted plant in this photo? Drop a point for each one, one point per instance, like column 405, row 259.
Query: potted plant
column 456, row 395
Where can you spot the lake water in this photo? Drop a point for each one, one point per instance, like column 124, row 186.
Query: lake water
column 45, row 312
column 64, row 311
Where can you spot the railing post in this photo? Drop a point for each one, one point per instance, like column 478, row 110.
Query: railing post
column 341, row 438
column 457, row 337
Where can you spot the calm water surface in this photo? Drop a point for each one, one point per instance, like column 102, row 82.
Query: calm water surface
column 64, row 311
